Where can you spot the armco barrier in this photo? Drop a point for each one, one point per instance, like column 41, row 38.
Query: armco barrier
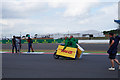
column 35, row 41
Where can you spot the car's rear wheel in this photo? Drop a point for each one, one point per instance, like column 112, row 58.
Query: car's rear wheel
column 56, row 56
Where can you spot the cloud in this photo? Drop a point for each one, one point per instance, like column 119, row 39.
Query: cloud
column 20, row 9
column 51, row 16
column 104, row 20
column 25, row 8
column 74, row 7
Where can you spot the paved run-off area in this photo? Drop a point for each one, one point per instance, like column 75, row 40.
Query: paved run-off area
column 45, row 66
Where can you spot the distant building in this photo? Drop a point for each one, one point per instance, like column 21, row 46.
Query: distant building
column 59, row 35
column 92, row 33
column 89, row 33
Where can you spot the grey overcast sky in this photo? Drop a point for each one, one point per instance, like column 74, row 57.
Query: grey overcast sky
column 57, row 16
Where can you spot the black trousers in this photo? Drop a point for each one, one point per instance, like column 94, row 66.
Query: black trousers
column 14, row 47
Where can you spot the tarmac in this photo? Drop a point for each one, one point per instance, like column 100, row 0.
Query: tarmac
column 53, row 46
column 45, row 66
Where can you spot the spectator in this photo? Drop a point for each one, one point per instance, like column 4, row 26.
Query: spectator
column 30, row 44
column 14, row 44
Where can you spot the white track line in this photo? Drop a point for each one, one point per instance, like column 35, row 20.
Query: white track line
column 40, row 53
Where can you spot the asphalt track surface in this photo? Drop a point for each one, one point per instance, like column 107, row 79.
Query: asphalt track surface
column 53, row 46
column 45, row 66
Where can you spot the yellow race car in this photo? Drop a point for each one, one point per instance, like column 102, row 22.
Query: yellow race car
column 69, row 52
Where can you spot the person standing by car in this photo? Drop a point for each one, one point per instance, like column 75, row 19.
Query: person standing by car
column 30, row 44
column 113, row 50
column 14, row 44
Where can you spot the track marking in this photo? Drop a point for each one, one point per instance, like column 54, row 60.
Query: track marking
column 53, row 53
